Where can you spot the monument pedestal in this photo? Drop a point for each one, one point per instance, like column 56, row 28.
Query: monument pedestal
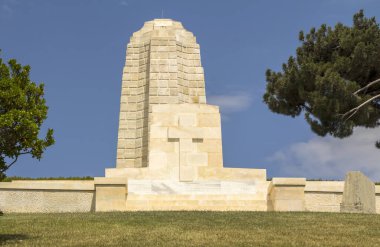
column 186, row 170
column 200, row 195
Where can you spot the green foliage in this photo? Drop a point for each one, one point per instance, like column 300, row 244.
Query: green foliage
column 330, row 66
column 22, row 112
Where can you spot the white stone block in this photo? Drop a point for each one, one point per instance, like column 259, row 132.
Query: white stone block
column 197, row 159
column 185, row 132
column 186, row 173
column 159, row 132
column 186, row 145
column 187, row 120
column 158, row 160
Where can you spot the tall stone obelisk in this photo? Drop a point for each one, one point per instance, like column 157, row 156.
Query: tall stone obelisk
column 169, row 154
column 163, row 66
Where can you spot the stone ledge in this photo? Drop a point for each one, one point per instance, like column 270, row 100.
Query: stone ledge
column 236, row 174
column 325, row 186
column 128, row 173
column 195, row 188
column 298, row 182
column 110, row 181
column 73, row 185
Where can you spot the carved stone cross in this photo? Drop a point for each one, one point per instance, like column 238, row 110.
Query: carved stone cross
column 188, row 136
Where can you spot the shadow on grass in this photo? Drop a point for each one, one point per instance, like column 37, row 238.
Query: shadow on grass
column 12, row 237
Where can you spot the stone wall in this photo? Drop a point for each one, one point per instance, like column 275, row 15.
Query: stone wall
column 326, row 196
column 47, row 196
column 79, row 196
column 323, row 196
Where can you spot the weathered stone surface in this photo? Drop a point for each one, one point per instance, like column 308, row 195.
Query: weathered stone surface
column 323, row 196
column 179, row 144
column 111, row 194
column 359, row 194
column 287, row 194
column 162, row 66
column 47, row 196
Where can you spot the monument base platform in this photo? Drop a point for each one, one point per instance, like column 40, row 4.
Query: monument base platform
column 202, row 173
column 145, row 195
column 111, row 194
column 181, row 202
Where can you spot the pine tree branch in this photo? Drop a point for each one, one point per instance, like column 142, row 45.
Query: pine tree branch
column 353, row 111
column 13, row 162
column 367, row 86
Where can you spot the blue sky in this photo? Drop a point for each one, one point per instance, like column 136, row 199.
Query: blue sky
column 77, row 48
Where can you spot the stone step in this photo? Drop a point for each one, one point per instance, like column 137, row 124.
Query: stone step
column 253, row 205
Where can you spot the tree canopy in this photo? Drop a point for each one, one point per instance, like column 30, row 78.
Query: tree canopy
column 22, row 112
column 334, row 78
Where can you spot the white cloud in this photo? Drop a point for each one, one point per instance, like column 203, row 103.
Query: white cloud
column 228, row 103
column 331, row 158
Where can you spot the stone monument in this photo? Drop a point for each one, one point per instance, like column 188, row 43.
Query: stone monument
column 169, row 151
column 358, row 194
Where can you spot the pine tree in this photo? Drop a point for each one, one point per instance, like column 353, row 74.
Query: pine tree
column 334, row 79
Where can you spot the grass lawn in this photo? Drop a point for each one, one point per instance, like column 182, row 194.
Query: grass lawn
column 190, row 229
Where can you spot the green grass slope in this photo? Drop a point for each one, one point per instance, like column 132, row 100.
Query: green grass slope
column 190, row 229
